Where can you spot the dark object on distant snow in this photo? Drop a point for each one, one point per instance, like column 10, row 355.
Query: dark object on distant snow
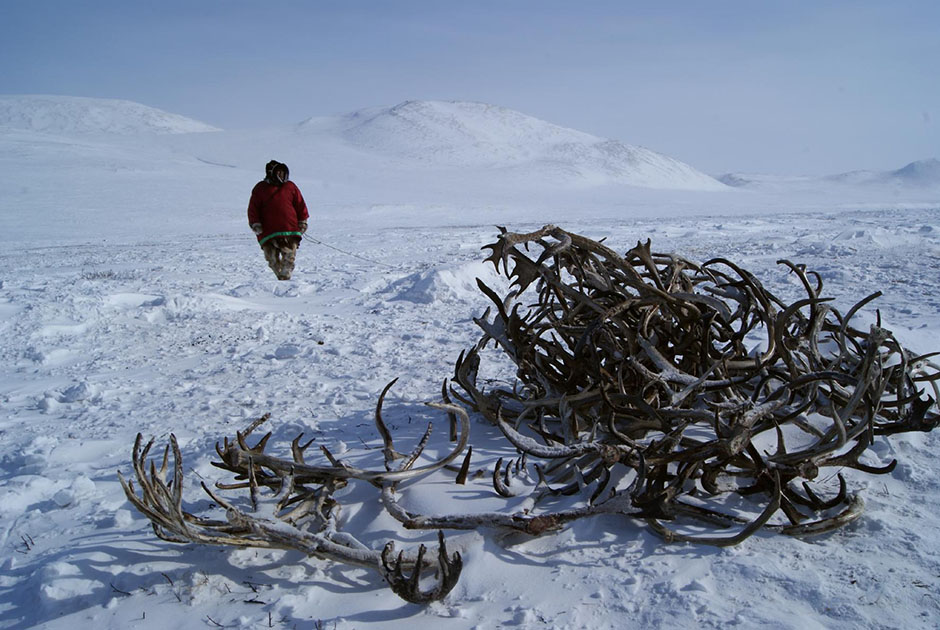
column 278, row 216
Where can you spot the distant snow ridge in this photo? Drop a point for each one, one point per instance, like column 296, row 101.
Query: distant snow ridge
column 489, row 136
column 80, row 115
column 922, row 172
column 916, row 175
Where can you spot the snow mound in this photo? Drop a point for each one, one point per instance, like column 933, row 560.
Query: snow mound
column 458, row 132
column 489, row 136
column 446, row 283
column 767, row 181
column 80, row 115
column 921, row 172
column 861, row 238
column 856, row 239
column 862, row 177
column 916, row 175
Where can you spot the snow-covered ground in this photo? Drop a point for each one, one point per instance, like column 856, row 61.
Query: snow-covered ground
column 134, row 299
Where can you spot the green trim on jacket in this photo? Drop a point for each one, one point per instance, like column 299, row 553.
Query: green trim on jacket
column 270, row 236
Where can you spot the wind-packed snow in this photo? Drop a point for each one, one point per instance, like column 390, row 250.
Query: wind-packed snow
column 134, row 298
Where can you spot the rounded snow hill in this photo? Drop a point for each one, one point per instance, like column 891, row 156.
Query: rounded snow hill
column 81, row 115
column 488, row 136
column 921, row 172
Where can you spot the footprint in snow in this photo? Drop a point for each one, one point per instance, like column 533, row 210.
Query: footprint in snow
column 286, row 351
column 285, row 289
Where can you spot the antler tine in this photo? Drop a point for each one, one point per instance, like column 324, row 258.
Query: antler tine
column 139, row 458
column 500, row 481
column 220, row 451
column 241, row 436
column 164, row 462
column 252, row 484
column 177, row 479
column 819, row 504
column 465, row 467
column 416, row 453
column 284, row 494
column 389, row 450
column 254, row 425
column 297, row 450
column 450, row 416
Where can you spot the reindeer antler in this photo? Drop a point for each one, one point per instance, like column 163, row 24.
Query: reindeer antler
column 292, row 506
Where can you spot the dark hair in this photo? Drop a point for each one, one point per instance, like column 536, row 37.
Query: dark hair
column 271, row 168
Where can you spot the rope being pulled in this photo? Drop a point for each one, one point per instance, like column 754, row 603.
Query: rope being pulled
column 343, row 251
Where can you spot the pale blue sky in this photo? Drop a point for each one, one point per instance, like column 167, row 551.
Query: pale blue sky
column 789, row 87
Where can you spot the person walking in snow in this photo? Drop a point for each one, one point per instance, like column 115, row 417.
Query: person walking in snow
column 278, row 216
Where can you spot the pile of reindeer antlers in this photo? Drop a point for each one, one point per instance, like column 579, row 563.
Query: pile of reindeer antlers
column 647, row 386
column 648, row 362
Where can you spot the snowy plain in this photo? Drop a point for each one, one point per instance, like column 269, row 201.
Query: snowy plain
column 133, row 298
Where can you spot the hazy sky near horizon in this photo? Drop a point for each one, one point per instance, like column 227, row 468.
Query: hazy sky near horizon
column 797, row 87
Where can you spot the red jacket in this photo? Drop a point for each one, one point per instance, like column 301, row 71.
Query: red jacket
column 279, row 210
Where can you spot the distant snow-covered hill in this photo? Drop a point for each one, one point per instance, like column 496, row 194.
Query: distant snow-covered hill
column 72, row 161
column 487, row 136
column 78, row 115
column 922, row 174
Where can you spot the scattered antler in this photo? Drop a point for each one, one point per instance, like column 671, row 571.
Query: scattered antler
column 300, row 511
